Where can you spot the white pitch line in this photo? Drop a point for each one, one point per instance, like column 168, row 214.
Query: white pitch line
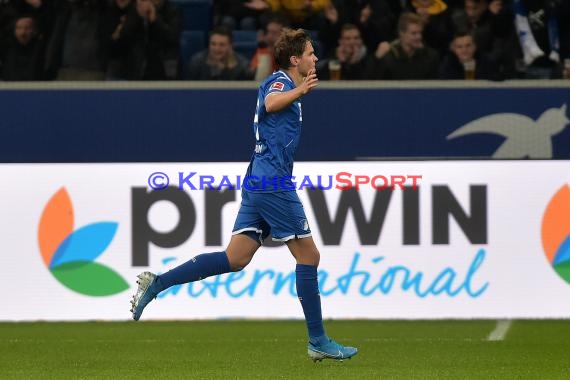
column 500, row 331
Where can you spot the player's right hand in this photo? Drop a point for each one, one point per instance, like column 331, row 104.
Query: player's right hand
column 310, row 81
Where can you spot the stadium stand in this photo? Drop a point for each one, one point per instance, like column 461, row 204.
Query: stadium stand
column 191, row 42
column 197, row 14
column 245, row 42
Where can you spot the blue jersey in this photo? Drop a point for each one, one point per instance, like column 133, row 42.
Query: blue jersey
column 277, row 136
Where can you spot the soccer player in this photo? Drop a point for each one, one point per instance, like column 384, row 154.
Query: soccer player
column 269, row 200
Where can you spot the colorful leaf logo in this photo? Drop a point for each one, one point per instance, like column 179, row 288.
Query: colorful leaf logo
column 70, row 255
column 556, row 232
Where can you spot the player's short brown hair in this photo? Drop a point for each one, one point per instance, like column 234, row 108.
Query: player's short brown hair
column 290, row 43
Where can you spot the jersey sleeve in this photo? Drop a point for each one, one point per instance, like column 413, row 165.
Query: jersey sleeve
column 279, row 84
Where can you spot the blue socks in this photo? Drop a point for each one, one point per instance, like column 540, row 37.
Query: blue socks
column 210, row 264
column 195, row 269
column 308, row 292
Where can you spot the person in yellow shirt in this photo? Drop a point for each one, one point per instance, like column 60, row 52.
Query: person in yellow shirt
column 301, row 13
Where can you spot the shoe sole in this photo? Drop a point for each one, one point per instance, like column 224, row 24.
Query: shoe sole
column 319, row 356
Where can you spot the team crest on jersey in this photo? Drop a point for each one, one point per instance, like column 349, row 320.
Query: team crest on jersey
column 277, row 86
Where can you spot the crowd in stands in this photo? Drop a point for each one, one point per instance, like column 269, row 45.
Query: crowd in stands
column 366, row 39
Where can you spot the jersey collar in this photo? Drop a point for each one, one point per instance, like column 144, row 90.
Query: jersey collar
column 287, row 76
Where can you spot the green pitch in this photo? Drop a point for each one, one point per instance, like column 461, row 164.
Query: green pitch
column 277, row 350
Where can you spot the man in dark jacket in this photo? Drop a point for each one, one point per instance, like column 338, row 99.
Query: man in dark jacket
column 406, row 57
column 22, row 55
column 464, row 62
column 76, row 49
column 152, row 33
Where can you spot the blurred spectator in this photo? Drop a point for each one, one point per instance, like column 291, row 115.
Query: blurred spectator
column 40, row 10
column 438, row 27
column 219, row 61
column 406, row 57
column 376, row 20
column 239, row 14
column 452, row 5
column 75, row 50
column 351, row 54
column 564, row 30
column 151, row 33
column 306, row 14
column 336, row 14
column 265, row 50
column 464, row 62
column 115, row 18
column 538, row 25
column 475, row 14
column 493, row 32
column 22, row 56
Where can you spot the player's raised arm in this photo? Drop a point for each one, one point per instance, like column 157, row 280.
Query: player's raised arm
column 276, row 101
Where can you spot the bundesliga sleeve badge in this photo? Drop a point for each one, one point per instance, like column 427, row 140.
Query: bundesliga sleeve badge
column 277, row 86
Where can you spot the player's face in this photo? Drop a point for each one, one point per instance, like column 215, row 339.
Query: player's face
column 308, row 60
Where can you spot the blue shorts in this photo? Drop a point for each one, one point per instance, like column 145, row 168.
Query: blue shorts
column 280, row 214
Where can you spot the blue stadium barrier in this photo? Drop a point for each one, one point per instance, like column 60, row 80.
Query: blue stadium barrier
column 204, row 122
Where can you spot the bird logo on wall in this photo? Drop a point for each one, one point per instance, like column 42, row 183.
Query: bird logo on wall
column 524, row 137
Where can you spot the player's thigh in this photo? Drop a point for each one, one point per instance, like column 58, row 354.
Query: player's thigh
column 249, row 220
column 284, row 212
column 240, row 251
column 304, row 250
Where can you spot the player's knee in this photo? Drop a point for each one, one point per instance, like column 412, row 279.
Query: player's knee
column 240, row 251
column 237, row 264
column 309, row 257
column 316, row 258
